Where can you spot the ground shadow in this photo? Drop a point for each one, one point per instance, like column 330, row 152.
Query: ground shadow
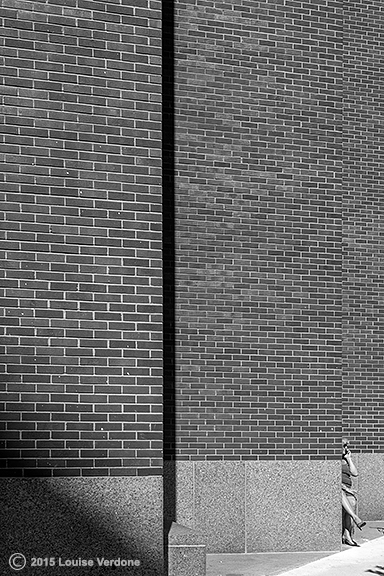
column 78, row 518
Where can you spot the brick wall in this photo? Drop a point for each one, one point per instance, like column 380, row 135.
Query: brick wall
column 258, row 103
column 363, row 225
column 81, row 288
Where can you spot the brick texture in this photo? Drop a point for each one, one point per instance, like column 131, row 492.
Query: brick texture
column 81, row 294
column 363, row 225
column 258, row 113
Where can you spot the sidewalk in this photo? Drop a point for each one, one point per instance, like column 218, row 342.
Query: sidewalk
column 368, row 559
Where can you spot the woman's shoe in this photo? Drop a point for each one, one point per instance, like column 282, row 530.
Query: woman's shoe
column 350, row 542
column 360, row 525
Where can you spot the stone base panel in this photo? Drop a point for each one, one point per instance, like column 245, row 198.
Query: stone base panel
column 244, row 507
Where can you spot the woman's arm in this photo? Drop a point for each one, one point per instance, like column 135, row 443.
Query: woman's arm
column 348, row 458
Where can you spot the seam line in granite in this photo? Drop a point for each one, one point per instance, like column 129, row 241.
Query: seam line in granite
column 193, row 495
column 271, row 553
column 245, row 508
column 187, row 545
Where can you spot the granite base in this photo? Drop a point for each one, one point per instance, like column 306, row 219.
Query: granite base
column 87, row 519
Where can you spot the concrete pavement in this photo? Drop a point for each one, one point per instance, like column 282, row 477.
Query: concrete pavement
column 369, row 559
column 263, row 564
column 363, row 561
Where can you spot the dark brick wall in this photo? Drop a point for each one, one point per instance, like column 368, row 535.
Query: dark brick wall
column 363, row 292
column 258, row 114
column 81, row 287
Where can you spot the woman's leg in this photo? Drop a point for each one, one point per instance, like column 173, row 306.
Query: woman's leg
column 348, row 525
column 350, row 518
column 348, row 529
column 349, row 505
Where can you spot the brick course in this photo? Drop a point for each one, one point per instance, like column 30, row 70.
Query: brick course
column 258, row 171
column 363, row 217
column 258, row 113
column 81, row 237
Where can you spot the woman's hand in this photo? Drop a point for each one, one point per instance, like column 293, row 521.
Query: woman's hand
column 347, row 453
column 348, row 458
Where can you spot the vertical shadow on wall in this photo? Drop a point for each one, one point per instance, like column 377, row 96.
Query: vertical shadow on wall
column 169, row 268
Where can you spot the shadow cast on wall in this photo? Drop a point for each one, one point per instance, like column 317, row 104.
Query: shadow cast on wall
column 169, row 266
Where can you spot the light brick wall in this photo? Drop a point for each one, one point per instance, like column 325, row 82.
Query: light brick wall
column 258, row 113
column 81, row 236
column 363, row 179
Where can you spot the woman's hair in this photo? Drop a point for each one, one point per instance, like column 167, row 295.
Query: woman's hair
column 345, row 441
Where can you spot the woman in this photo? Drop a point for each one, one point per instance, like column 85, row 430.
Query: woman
column 349, row 500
